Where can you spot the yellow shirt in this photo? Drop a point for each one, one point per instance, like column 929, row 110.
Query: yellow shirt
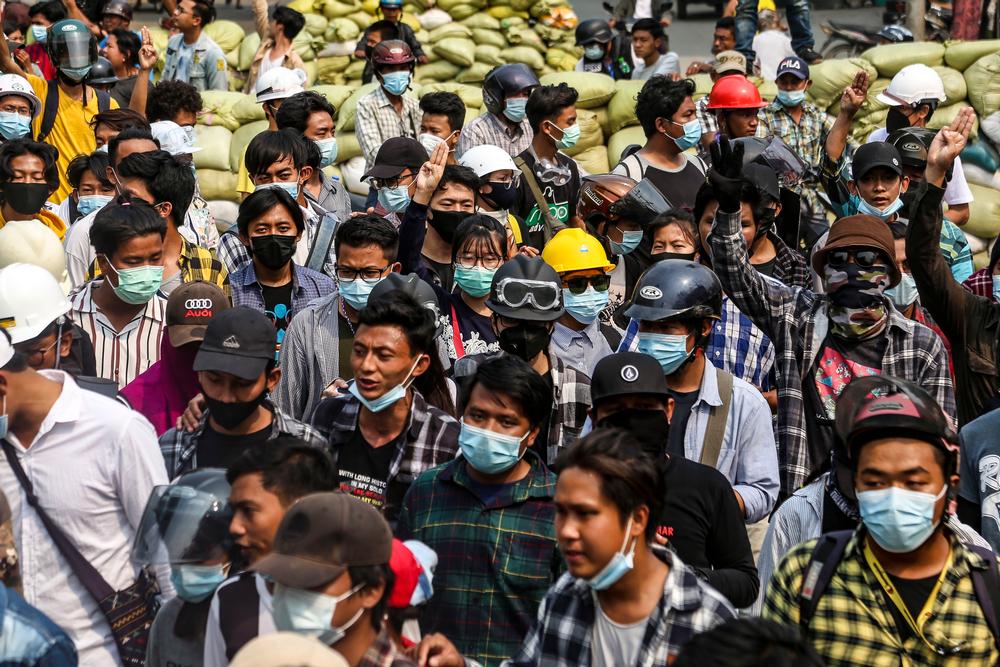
column 243, row 183
column 71, row 134
column 47, row 218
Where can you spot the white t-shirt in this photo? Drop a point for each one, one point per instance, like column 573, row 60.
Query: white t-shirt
column 268, row 64
column 771, row 47
column 643, row 9
column 667, row 63
column 615, row 644
column 957, row 190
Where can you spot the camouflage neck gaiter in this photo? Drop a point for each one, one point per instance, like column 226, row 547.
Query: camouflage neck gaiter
column 857, row 308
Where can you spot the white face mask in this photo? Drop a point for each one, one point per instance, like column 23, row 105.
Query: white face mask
column 310, row 613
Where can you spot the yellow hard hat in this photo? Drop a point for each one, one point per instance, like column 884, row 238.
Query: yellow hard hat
column 575, row 250
column 766, row 4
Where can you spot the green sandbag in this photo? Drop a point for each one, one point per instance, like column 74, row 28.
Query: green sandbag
column 441, row 70
column 983, row 80
column 702, row 85
column 248, row 110
column 960, row 55
column 944, row 116
column 553, row 56
column 361, row 18
column 217, row 185
column 621, row 108
column 888, row 59
column 481, row 20
column 621, row 140
column 333, row 9
column 456, row 50
column 355, row 71
column 335, row 95
column 311, row 73
column 474, row 74
column 767, row 89
column 248, row 49
column 330, row 69
column 521, row 5
column 214, row 143
column 523, row 54
column 602, row 120
column 233, row 58
column 590, row 133
column 471, row 96
column 460, row 12
column 218, row 108
column 449, row 5
column 595, row 89
column 984, row 212
column 865, row 125
column 315, row 24
column 489, row 54
column 594, row 160
column 449, row 30
column 955, row 88
column 433, row 18
column 831, row 77
column 303, row 46
column 342, row 30
column 520, row 37
column 491, row 37
column 241, row 138
column 347, row 147
column 227, row 34
column 348, row 111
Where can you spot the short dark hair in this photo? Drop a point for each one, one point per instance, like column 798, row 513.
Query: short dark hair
column 96, row 163
column 53, row 10
column 289, row 467
column 129, row 44
column 290, row 21
column 443, row 103
column 547, row 102
column 629, row 477
column 459, row 175
column 660, row 98
column 652, row 26
column 123, row 220
column 131, row 134
column 511, row 377
column 168, row 98
column 10, row 25
column 401, row 310
column 368, row 576
column 749, row 642
column 368, row 230
column 120, row 120
column 749, row 193
column 166, row 179
column 263, row 200
column 205, row 10
column 271, row 146
column 675, row 216
column 387, row 29
column 482, row 231
column 727, row 23
column 295, row 111
column 25, row 146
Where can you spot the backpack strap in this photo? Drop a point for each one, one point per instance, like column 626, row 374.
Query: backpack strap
column 628, row 161
column 239, row 613
column 986, row 584
column 103, row 101
column 321, row 244
column 715, row 431
column 822, row 564
column 551, row 224
column 50, row 110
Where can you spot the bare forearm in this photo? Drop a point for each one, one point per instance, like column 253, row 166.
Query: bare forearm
column 836, row 138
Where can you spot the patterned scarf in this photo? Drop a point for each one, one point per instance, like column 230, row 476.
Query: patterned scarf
column 857, row 307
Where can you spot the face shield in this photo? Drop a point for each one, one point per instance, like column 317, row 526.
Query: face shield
column 182, row 525
column 73, row 50
column 641, row 204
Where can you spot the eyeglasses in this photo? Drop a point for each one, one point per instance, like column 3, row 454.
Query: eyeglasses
column 515, row 292
column 579, row 284
column 866, row 259
column 36, row 356
column 368, row 274
column 485, row 261
column 514, row 180
column 382, row 183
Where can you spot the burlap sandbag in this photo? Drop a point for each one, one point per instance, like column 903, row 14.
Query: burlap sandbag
column 439, row 71
column 620, row 140
column 335, row 95
column 955, row 88
column 349, row 109
column 241, row 138
column 340, row 29
column 474, row 74
column 483, row 21
column 433, row 18
column 217, row 185
column 214, row 142
column 621, row 108
column 491, row 37
column 329, row 69
column 347, row 147
column 218, row 108
column 523, row 54
column 462, row 12
column 248, row 110
column 983, row 80
column 333, row 9
column 449, row 30
column 945, row 115
column 595, row 90
column 890, row 58
column 227, row 34
column 248, row 49
column 355, row 70
column 489, row 54
column 831, row 77
column 471, row 96
column 456, row 50
column 594, row 160
column 984, row 212
column 960, row 55
column 315, row 24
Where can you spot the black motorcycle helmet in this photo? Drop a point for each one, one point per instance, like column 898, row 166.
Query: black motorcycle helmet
column 676, row 288
column 912, row 144
column 71, row 45
column 526, row 288
column 102, row 73
column 642, row 204
column 593, row 31
column 409, row 283
column 506, row 80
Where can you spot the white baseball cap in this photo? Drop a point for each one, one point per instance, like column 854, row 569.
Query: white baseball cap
column 173, row 138
column 279, row 83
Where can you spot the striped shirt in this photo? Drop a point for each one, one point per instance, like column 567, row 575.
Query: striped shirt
column 121, row 355
column 377, row 121
column 490, row 130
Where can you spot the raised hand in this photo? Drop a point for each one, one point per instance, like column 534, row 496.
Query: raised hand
column 430, row 174
column 147, row 52
column 855, row 94
column 726, row 174
column 947, row 145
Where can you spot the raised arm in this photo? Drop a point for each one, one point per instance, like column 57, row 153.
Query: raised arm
column 75, row 13
column 260, row 21
column 850, row 102
column 414, row 226
column 147, row 60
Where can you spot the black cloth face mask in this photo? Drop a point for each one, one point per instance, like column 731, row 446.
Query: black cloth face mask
column 231, row 415
column 273, row 250
column 649, row 427
column 446, row 222
column 525, row 340
column 26, row 198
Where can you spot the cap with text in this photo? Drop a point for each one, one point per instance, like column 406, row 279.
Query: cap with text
column 189, row 309
column 793, row 65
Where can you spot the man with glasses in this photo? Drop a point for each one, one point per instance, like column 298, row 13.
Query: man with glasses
column 393, row 176
column 823, row 341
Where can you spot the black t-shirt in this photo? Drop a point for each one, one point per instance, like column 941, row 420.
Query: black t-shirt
column 683, row 402
column 541, row 443
column 444, row 273
column 364, row 473
column 278, row 307
column 914, row 593
column 767, row 268
column 346, row 339
column 217, row 450
column 562, row 199
column 678, row 187
column 833, row 517
column 475, row 333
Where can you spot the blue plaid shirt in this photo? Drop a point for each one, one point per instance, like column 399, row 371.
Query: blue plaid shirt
column 306, row 286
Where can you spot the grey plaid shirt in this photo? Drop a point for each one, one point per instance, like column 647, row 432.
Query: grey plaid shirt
column 377, row 121
column 180, row 447
column 795, row 320
column 563, row 633
column 571, row 393
column 490, row 130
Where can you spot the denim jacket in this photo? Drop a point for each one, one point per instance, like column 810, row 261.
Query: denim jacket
column 29, row 638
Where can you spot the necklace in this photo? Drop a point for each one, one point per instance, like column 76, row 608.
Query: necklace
column 343, row 311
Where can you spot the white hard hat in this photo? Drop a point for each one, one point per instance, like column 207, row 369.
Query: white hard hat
column 279, row 83
column 30, row 300
column 485, row 159
column 12, row 84
column 172, row 138
column 285, row 649
column 32, row 242
column 913, row 84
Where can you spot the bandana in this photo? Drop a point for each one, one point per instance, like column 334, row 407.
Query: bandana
column 857, row 307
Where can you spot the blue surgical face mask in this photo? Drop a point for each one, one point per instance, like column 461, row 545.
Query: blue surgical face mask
column 905, row 293
column 14, row 125
column 899, row 520
column 619, row 565
column 3, row 417
column 668, row 349
column 291, row 187
column 489, row 452
column 475, row 281
column 630, row 241
column 515, row 108
column 388, row 398
column 882, row 214
column 395, row 199
column 90, row 203
column 692, row 134
column 593, row 52
column 40, row 33
column 76, row 74
column 309, row 613
column 194, row 583
column 327, row 151
column 584, row 308
column 570, row 135
column 791, row 98
column 355, row 292
column 996, row 288
column 396, row 83
column 138, row 285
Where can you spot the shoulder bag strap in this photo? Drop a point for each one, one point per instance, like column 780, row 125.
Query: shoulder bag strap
column 822, row 564
column 551, row 224
column 321, row 244
column 91, row 579
column 239, row 613
column 986, row 584
column 50, row 110
column 715, row 432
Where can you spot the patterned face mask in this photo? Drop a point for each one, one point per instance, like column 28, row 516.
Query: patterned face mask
column 857, row 307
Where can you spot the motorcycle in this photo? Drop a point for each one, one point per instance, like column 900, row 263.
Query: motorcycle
column 847, row 40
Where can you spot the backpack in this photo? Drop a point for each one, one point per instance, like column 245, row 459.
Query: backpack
column 52, row 107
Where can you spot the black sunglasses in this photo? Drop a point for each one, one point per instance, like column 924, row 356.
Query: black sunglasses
column 866, row 259
column 579, row 284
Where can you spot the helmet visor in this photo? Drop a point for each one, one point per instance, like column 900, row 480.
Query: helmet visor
column 74, row 49
column 641, row 204
column 182, row 525
column 784, row 161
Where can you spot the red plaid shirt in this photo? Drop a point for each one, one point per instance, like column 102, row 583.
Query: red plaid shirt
column 980, row 283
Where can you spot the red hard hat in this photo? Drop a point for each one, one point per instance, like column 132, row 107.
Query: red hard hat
column 392, row 52
column 735, row 92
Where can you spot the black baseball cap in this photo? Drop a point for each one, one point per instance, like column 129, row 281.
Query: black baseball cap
column 626, row 374
column 395, row 155
column 876, row 154
column 239, row 341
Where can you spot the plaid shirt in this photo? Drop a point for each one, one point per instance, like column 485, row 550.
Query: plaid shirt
column 706, row 116
column 195, row 262
column 564, row 631
column 496, row 561
column 853, row 625
column 306, row 286
column 490, row 130
column 795, row 320
column 571, row 389
column 383, row 653
column 807, row 137
column 980, row 283
column 789, row 266
column 377, row 121
column 180, row 447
